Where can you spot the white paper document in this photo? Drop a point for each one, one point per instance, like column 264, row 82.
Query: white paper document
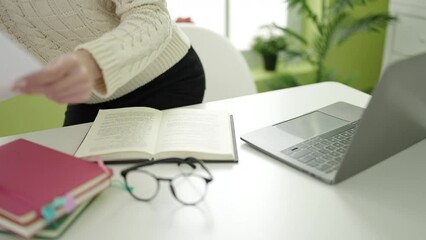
column 15, row 62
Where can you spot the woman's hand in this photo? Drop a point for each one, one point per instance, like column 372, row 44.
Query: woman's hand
column 69, row 78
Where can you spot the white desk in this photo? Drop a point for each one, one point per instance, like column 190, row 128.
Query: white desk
column 260, row 197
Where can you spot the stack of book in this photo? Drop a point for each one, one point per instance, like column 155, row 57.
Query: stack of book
column 43, row 190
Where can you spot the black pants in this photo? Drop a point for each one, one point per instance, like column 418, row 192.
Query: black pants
column 181, row 85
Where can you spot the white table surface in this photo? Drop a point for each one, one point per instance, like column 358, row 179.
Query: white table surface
column 260, row 197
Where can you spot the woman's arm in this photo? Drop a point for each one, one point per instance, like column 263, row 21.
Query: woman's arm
column 108, row 62
column 67, row 79
column 144, row 31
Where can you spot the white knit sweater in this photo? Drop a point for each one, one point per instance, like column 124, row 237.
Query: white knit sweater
column 133, row 41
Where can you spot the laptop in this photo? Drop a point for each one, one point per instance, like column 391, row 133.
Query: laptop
column 340, row 140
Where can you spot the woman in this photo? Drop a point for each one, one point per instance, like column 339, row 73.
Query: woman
column 103, row 54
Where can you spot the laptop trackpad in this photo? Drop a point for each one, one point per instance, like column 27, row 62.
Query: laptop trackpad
column 311, row 124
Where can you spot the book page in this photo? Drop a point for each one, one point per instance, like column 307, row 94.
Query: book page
column 122, row 133
column 15, row 62
column 206, row 134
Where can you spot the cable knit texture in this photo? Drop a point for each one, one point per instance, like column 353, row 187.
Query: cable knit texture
column 133, row 41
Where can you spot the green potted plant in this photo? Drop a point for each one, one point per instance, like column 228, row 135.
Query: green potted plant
column 333, row 25
column 269, row 46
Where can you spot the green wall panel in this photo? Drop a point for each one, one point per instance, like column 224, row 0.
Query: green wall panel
column 23, row 114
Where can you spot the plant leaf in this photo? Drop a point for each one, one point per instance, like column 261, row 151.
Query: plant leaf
column 305, row 9
column 293, row 34
column 296, row 55
column 371, row 23
column 340, row 6
column 324, row 41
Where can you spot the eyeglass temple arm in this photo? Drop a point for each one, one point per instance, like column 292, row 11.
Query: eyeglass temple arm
column 203, row 166
column 190, row 161
column 147, row 163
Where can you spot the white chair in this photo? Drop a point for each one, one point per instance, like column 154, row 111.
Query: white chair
column 227, row 72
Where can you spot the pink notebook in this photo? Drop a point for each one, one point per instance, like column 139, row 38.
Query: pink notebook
column 32, row 176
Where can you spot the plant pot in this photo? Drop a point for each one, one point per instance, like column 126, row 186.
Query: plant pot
column 270, row 62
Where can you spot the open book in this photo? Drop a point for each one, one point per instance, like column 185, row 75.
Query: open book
column 141, row 133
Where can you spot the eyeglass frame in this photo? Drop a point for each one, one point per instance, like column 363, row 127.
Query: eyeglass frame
column 189, row 160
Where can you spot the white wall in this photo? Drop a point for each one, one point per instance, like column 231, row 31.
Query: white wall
column 245, row 16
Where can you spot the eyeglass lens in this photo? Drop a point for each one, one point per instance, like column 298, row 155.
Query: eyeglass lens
column 189, row 188
column 143, row 185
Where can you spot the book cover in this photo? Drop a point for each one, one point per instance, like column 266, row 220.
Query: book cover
column 32, row 177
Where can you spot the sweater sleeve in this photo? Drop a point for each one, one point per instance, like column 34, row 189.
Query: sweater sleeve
column 144, row 31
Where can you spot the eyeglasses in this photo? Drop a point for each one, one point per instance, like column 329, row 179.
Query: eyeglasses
column 188, row 187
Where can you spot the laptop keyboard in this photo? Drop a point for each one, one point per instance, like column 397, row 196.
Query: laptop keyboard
column 324, row 152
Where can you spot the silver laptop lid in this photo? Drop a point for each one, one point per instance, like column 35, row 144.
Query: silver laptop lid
column 394, row 119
